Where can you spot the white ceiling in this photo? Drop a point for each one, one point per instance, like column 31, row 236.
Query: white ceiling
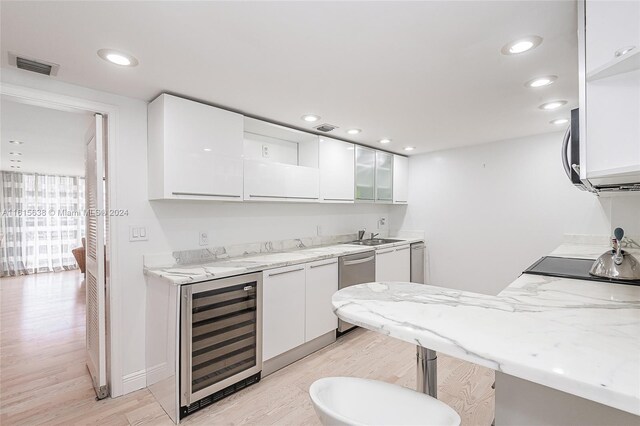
column 428, row 74
column 53, row 140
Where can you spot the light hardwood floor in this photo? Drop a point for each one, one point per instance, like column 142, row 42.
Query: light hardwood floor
column 43, row 378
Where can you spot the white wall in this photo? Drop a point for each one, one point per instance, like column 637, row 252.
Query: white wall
column 491, row 210
column 174, row 225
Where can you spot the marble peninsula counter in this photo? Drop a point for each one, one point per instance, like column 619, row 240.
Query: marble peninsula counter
column 578, row 337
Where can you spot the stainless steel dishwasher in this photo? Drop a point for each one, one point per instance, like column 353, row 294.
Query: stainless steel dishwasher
column 355, row 269
column 417, row 263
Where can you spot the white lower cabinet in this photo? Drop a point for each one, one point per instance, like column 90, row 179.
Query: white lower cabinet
column 283, row 310
column 393, row 264
column 322, row 282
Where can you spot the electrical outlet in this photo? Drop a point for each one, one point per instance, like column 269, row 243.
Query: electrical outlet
column 265, row 151
column 204, row 238
column 382, row 222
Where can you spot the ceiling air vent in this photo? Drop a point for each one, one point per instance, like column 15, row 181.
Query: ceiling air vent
column 326, row 127
column 33, row 65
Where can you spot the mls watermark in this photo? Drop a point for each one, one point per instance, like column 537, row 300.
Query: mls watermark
column 63, row 212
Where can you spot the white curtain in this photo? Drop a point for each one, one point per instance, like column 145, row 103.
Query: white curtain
column 42, row 220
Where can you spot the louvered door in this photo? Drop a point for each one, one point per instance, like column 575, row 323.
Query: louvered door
column 95, row 259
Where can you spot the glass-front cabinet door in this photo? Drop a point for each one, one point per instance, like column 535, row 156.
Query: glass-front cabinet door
column 384, row 177
column 365, row 174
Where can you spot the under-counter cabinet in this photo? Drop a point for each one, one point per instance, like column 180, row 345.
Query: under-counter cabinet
column 393, row 264
column 321, row 284
column 400, row 179
column 194, row 151
column 283, row 322
column 337, row 171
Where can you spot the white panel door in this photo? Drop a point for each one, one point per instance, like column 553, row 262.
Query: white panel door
column 393, row 264
column 400, row 179
column 322, row 283
column 283, row 301
column 95, row 265
column 337, row 171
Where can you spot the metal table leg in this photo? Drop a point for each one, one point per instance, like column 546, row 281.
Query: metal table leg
column 427, row 374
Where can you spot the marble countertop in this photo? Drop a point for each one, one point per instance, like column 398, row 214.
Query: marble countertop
column 180, row 274
column 580, row 337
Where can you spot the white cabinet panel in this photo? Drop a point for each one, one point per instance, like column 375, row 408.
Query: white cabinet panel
column 393, row 264
column 194, row 151
column 610, row 27
column 283, row 322
column 384, row 177
column 365, row 174
column 267, row 181
column 400, row 179
column 322, row 282
column 337, row 171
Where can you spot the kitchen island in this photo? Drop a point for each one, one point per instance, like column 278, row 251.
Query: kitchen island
column 564, row 350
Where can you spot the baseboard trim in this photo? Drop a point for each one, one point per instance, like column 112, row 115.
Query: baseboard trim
column 134, row 381
column 274, row 364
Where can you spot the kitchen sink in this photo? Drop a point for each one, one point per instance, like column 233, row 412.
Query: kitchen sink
column 373, row 242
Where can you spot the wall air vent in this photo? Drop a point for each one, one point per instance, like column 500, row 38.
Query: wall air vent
column 326, row 127
column 34, row 65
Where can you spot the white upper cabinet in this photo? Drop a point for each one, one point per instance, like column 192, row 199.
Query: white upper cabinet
column 611, row 28
column 400, row 179
column 337, row 171
column 365, row 174
column 280, row 164
column 384, row 177
column 194, row 151
column 610, row 92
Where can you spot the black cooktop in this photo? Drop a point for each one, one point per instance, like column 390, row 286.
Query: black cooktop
column 568, row 267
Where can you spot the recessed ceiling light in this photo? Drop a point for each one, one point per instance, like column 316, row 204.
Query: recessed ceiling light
column 118, row 58
column 552, row 105
column 559, row 121
column 311, row 118
column 207, row 150
column 541, row 81
column 521, row 45
column 409, row 148
column 15, row 153
column 624, row 51
column 385, row 140
column 353, row 131
column 16, row 142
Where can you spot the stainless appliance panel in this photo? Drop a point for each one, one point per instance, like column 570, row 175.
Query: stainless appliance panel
column 417, row 263
column 355, row 269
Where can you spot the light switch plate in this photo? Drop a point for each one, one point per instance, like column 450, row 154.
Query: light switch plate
column 204, row 238
column 138, row 233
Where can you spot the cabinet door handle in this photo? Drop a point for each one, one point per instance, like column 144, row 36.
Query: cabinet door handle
column 282, row 196
column 355, row 262
column 384, row 252
column 324, row 264
column 286, row 272
column 202, row 194
column 338, row 199
column 402, row 248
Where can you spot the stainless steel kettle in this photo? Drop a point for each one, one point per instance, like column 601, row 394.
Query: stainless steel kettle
column 617, row 263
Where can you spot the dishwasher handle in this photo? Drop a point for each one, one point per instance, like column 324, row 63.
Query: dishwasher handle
column 356, row 262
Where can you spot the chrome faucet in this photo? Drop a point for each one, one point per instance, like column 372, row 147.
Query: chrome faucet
column 373, row 235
